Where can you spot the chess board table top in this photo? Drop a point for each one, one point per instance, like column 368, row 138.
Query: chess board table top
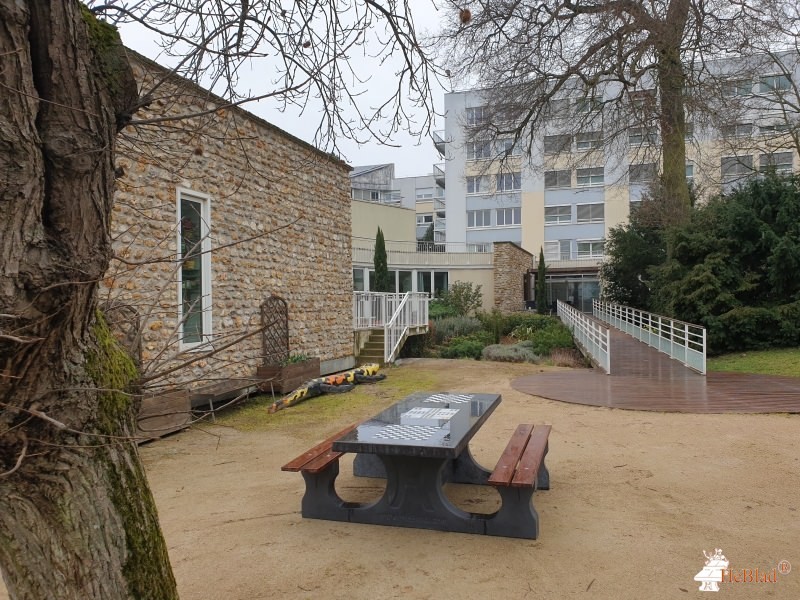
column 424, row 424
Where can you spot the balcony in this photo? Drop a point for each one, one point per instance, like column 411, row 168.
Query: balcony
column 439, row 142
column 439, row 204
column 440, row 224
column 421, row 254
column 438, row 174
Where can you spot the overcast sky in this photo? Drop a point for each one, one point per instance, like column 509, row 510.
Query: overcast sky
column 411, row 157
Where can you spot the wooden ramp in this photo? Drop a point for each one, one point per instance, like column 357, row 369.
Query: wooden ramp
column 645, row 379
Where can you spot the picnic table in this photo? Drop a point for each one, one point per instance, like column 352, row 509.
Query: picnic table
column 419, row 444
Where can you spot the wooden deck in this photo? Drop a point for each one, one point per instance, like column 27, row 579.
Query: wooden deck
column 645, row 379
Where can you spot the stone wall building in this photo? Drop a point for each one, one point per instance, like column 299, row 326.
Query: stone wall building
column 213, row 215
column 511, row 267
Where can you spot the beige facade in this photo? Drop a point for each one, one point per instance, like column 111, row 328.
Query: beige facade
column 397, row 223
column 214, row 216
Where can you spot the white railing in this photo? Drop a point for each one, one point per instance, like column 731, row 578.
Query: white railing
column 411, row 312
column 422, row 254
column 591, row 335
column 685, row 342
column 395, row 313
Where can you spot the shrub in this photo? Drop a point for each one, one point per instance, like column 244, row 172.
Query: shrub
column 563, row 357
column 528, row 321
column 463, row 297
column 450, row 327
column 745, row 327
column 548, row 339
column 504, row 353
column 464, row 347
column 495, row 323
column 437, row 309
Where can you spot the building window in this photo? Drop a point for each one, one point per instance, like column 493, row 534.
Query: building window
column 358, row 280
column 557, row 215
column 479, row 248
column 781, row 162
column 479, row 218
column 509, row 216
column 642, row 136
column 689, row 133
column 507, row 147
column 588, row 104
column 424, row 219
column 736, row 130
column 479, row 150
column 736, row 167
column 590, row 213
column 557, row 179
column 737, row 87
column 555, row 144
column 642, row 173
column 690, row 172
column 194, row 277
column 774, row 83
column 642, row 100
column 590, row 248
column 476, row 115
column 423, row 193
column 559, row 107
column 589, row 140
column 774, row 128
column 558, row 250
column 589, row 176
column 477, row 184
column 509, row 182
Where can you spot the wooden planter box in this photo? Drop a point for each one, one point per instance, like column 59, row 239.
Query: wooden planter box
column 288, row 378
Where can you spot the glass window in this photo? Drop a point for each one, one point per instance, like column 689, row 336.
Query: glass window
column 557, row 179
column 440, row 283
column 689, row 172
column 508, row 182
column 774, row 128
column 780, row 161
column 477, row 184
column 478, row 150
column 590, row 176
column 642, row 136
column 774, row 83
column 736, row 130
column 487, row 247
column 559, row 106
column 507, row 147
column 424, row 219
column 642, row 173
column 479, row 218
column 590, row 249
column 590, row 213
column 588, row 104
column 509, row 216
column 555, row 215
column 406, row 281
column 476, row 115
column 358, row 280
column 555, row 144
column 589, row 140
column 737, row 87
column 424, row 281
column 194, row 245
column 735, row 167
column 557, row 250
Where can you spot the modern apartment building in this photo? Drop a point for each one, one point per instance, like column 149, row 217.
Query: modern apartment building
column 424, row 194
column 565, row 190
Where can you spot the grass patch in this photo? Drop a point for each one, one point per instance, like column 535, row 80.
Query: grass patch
column 364, row 400
column 778, row 361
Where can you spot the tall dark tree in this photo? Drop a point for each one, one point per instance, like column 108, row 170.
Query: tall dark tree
column 595, row 69
column 380, row 262
column 77, row 519
column 541, row 285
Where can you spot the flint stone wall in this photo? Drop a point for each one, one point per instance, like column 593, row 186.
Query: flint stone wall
column 511, row 263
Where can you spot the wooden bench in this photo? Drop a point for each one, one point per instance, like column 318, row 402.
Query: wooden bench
column 522, row 462
column 320, row 457
column 519, row 472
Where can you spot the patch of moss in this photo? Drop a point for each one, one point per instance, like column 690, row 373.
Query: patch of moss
column 113, row 370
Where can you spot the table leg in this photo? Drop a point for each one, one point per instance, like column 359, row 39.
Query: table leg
column 464, row 469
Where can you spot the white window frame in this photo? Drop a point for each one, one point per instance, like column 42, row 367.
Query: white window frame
column 507, row 147
column 592, row 253
column 475, row 115
column 554, row 250
column 737, row 130
column 642, row 136
column 502, row 179
column 591, row 219
column 486, row 214
column 551, row 145
column 516, row 216
column 558, row 218
column 689, row 171
column 590, row 176
column 483, row 184
column 558, row 185
column 205, row 267
column 766, row 83
column 479, row 150
column 740, row 169
column 782, row 168
column 421, row 218
column 736, row 88
column 642, row 181
column 480, row 248
column 589, row 140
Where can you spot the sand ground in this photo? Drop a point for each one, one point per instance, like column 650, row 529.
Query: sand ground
column 635, row 498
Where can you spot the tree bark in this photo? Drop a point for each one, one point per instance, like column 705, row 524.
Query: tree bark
column 77, row 519
column 672, row 82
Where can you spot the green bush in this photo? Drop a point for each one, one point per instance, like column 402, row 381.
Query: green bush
column 504, row 353
column 450, row 327
column 463, row 297
column 463, row 347
column 744, row 328
column 495, row 323
column 545, row 336
column 437, row 309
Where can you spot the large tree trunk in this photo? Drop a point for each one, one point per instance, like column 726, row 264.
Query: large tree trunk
column 77, row 519
column 671, row 82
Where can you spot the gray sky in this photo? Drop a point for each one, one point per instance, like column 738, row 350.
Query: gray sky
column 411, row 156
